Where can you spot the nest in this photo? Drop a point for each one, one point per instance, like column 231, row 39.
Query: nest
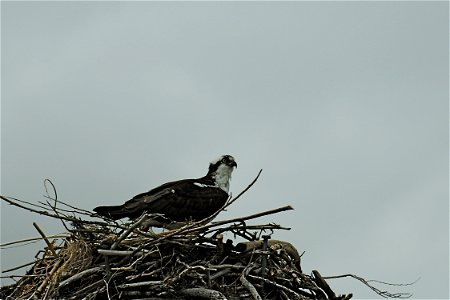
column 100, row 262
column 102, row 259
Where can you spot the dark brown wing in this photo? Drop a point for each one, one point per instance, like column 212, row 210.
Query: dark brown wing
column 179, row 201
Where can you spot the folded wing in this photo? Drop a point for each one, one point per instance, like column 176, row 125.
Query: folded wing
column 177, row 201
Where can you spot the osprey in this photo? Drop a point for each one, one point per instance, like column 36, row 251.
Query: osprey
column 179, row 201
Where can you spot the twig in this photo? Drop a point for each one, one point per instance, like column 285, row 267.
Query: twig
column 383, row 294
column 140, row 284
column 254, row 216
column 225, row 269
column 87, row 288
column 203, row 293
column 19, row 267
column 48, row 277
column 36, row 239
column 290, row 291
column 49, row 245
column 321, row 283
column 128, row 231
column 243, row 192
column 67, row 218
column 247, row 283
column 264, row 257
column 55, row 199
column 115, row 252
column 54, row 190
column 24, row 202
column 78, row 276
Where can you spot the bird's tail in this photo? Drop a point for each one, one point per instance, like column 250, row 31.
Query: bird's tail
column 112, row 212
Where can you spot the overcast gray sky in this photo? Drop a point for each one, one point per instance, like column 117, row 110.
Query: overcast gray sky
column 344, row 105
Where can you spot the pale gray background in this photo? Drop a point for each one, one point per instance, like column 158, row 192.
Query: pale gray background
column 344, row 105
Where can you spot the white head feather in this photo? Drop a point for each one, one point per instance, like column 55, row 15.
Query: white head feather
column 222, row 175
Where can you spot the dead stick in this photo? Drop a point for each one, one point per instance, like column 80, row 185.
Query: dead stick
column 87, row 289
column 78, row 276
column 250, row 287
column 264, row 257
column 66, row 218
column 323, row 285
column 32, row 240
column 245, row 190
column 49, row 277
column 282, row 287
column 254, row 216
column 49, row 245
column 128, row 231
column 203, row 293
column 20, row 267
column 115, row 252
column 140, row 284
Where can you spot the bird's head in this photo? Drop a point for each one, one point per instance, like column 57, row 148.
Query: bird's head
column 220, row 169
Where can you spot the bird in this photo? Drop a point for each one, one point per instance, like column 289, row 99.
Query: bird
column 174, row 203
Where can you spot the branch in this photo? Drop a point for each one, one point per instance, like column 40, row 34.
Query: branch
column 254, row 216
column 31, row 240
column 67, row 218
column 281, row 287
column 78, row 276
column 243, row 192
column 203, row 293
column 383, row 294
column 49, row 245
column 128, row 231
column 247, row 283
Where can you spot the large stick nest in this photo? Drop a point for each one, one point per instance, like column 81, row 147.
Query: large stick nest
column 95, row 263
column 106, row 260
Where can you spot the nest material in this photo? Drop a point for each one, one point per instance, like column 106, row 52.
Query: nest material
column 194, row 262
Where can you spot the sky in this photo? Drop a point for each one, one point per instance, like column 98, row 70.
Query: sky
column 344, row 105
